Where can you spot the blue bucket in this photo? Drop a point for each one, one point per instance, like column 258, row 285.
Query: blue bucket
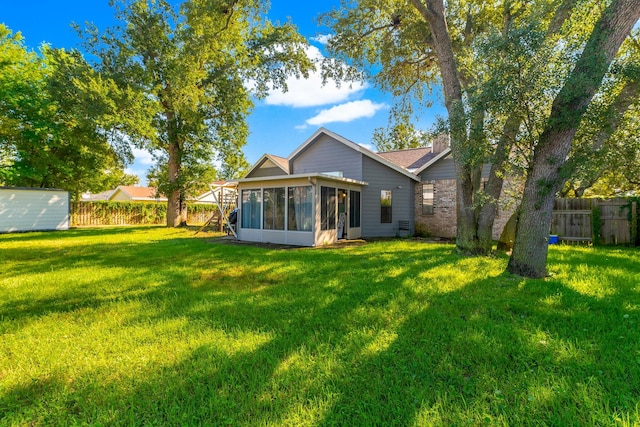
column 553, row 239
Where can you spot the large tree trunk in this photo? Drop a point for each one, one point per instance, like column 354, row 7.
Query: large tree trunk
column 508, row 235
column 529, row 256
column 175, row 204
column 176, row 207
column 474, row 223
column 493, row 188
column 434, row 12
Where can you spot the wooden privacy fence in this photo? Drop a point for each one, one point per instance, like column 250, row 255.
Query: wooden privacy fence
column 598, row 221
column 136, row 213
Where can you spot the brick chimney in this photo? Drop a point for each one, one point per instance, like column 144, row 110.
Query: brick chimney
column 440, row 143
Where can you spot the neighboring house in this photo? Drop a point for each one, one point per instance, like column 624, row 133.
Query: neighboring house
column 91, row 197
column 330, row 188
column 132, row 193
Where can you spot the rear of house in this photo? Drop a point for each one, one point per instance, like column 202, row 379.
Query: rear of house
column 328, row 189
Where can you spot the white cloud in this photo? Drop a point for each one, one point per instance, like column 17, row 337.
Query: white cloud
column 142, row 157
column 311, row 92
column 323, row 39
column 346, row 112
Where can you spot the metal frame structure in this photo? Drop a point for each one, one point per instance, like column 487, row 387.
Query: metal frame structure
column 225, row 195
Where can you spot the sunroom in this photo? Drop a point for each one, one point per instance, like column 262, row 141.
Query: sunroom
column 304, row 210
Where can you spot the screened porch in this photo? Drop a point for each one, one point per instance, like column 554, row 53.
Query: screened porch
column 304, row 210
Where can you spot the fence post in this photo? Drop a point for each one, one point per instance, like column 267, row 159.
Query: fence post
column 596, row 222
column 634, row 223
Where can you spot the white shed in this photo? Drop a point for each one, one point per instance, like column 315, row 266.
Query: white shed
column 33, row 209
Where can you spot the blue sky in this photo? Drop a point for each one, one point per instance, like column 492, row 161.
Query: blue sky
column 278, row 124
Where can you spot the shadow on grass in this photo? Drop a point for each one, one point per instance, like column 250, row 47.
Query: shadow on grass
column 494, row 353
column 74, row 232
column 370, row 335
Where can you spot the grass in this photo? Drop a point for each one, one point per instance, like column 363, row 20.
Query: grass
column 132, row 326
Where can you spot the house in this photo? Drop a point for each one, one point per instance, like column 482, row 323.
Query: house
column 92, row 197
column 130, row 193
column 328, row 189
column 331, row 188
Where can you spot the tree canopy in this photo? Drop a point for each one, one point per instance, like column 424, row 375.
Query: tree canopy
column 50, row 133
column 510, row 72
column 187, row 76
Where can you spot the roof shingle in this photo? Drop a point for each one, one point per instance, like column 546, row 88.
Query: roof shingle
column 410, row 159
column 140, row 192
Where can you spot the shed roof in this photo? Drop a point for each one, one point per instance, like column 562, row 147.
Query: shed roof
column 304, row 175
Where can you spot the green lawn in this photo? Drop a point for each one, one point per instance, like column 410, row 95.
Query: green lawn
column 130, row 326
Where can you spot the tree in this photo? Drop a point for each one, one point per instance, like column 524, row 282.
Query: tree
column 503, row 68
column 488, row 57
column 605, row 156
column 19, row 73
column 196, row 174
column 185, row 73
column 49, row 122
column 400, row 134
column 545, row 176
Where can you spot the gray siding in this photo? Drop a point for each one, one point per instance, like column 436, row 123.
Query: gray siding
column 445, row 169
column 329, row 155
column 442, row 169
column 264, row 172
column 380, row 177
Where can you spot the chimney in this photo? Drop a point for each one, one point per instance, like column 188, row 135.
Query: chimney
column 440, row 143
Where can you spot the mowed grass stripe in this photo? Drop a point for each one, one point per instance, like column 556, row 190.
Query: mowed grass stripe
column 147, row 325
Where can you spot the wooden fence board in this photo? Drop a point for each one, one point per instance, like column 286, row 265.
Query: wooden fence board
column 135, row 213
column 614, row 222
column 572, row 220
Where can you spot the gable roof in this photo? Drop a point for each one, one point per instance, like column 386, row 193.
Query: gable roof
column 97, row 196
column 410, row 159
column 280, row 161
column 277, row 161
column 357, row 147
column 433, row 160
column 138, row 193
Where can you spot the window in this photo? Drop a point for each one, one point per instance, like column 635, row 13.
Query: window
column 385, row 206
column 300, row 209
column 427, row 198
column 251, row 201
column 354, row 209
column 274, row 209
column 342, row 201
column 327, row 208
